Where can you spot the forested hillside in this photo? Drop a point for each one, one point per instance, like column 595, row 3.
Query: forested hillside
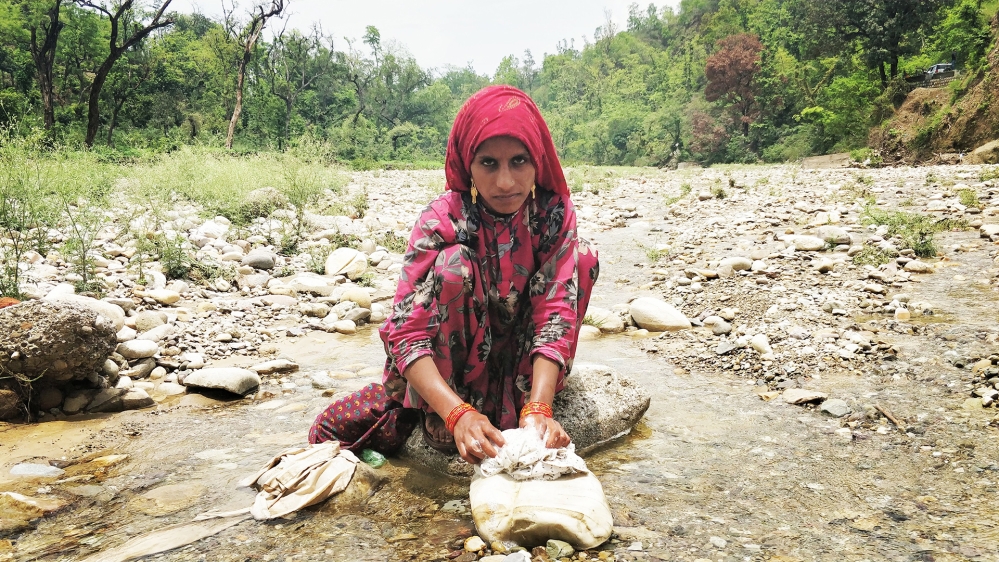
column 714, row 81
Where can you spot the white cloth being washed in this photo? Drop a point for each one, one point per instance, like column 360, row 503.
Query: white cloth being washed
column 525, row 457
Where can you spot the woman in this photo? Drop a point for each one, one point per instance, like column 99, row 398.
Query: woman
column 493, row 291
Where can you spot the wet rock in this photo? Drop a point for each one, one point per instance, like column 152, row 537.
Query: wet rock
column 135, row 399
column 835, row 407
column 357, row 315
column 345, row 327
column 802, row 396
column 10, row 404
column 657, row 316
column 137, row 349
column 232, row 379
column 474, row 544
column 559, row 549
column 21, row 512
column 107, row 400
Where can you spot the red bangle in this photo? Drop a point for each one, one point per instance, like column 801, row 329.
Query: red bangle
column 537, row 408
column 455, row 415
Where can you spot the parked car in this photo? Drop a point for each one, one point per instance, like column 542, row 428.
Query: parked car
column 937, row 70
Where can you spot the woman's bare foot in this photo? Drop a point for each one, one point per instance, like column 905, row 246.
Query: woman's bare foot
column 437, row 430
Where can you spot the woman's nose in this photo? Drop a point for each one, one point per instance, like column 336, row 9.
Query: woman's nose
column 505, row 179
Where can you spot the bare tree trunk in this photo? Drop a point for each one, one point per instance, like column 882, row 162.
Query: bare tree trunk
column 114, row 119
column 44, row 58
column 248, row 40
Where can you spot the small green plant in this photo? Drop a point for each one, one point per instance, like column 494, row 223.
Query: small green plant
column 83, row 223
column 989, row 173
column 873, row 255
column 718, row 192
column 589, row 320
column 866, row 156
column 317, row 258
column 968, row 197
column 915, row 230
column 391, row 242
column 931, row 178
column 366, row 279
column 285, row 271
column 211, row 270
column 654, row 254
column 174, row 256
column 907, row 202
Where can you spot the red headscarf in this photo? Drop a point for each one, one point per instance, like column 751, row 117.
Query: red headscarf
column 497, row 111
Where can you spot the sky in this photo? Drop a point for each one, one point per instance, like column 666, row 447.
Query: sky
column 452, row 32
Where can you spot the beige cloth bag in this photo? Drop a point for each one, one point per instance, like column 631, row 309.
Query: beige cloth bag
column 561, row 500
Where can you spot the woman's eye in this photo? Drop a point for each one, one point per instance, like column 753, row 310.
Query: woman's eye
column 488, row 162
column 520, row 160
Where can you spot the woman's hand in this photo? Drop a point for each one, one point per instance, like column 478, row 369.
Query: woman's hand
column 476, row 438
column 549, row 430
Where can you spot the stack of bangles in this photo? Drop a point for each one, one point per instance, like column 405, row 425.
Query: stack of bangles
column 455, row 415
column 533, row 408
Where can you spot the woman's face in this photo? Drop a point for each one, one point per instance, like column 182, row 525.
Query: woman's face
column 503, row 174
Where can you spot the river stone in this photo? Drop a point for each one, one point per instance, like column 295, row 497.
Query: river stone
column 802, row 396
column 36, row 470
column 259, row 260
column 916, row 266
column 761, row 344
column 112, row 312
column 10, row 404
column 596, row 405
column 988, row 230
column 148, row 319
column 275, row 366
column 77, row 401
column 808, row 243
column 833, row 235
column 656, row 315
column 233, row 379
column 357, row 315
column 157, row 334
column 280, row 301
column 835, row 407
column 163, row 296
column 48, row 398
column 605, row 320
column 348, row 262
column 107, row 400
column 137, row 349
column 345, row 327
column 136, row 398
column 312, row 284
column 736, row 263
column 357, row 295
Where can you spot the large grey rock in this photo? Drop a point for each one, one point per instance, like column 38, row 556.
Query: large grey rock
column 986, row 154
column 233, row 379
column 657, row 316
column 597, row 405
column 53, row 343
column 259, row 260
column 136, row 398
column 835, row 407
column 148, row 319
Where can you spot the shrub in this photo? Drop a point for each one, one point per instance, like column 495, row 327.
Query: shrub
column 968, row 197
column 915, row 230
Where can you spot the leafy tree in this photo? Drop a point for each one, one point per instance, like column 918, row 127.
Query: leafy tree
column 127, row 30
column 731, row 74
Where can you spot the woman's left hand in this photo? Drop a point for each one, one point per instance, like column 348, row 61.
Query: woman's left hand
column 550, row 430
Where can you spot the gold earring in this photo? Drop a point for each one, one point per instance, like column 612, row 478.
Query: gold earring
column 533, row 196
column 475, row 192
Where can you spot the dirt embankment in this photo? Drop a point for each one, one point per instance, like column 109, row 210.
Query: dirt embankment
column 931, row 127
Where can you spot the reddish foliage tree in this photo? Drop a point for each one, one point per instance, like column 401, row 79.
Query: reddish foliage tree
column 731, row 74
column 708, row 138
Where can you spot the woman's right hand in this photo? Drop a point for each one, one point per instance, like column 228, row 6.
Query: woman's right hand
column 476, row 438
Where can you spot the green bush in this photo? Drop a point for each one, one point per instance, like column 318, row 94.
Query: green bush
column 915, row 230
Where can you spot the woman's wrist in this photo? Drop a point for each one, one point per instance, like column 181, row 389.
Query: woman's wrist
column 537, row 408
column 455, row 414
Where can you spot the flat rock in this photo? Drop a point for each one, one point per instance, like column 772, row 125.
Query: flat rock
column 275, row 366
column 163, row 296
column 597, row 405
column 656, row 315
column 232, row 379
column 35, row 470
column 833, row 235
column 736, row 263
column 802, row 396
column 135, row 399
column 606, row 320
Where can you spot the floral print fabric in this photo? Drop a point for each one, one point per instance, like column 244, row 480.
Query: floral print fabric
column 483, row 294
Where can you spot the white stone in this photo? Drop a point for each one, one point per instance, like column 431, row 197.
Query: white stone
column 737, row 263
column 916, row 266
column 657, row 316
column 606, row 320
column 112, row 312
column 163, row 296
column 808, row 243
column 346, row 261
column 761, row 344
